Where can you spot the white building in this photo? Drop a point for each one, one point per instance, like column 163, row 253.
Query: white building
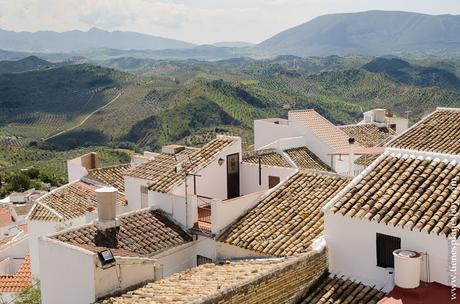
column 73, row 204
column 402, row 200
column 85, row 263
column 15, row 273
column 337, row 147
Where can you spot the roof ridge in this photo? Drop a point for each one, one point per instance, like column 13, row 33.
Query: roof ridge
column 37, row 201
column 109, row 167
column 447, row 109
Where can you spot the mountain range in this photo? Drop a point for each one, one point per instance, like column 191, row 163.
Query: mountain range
column 48, row 41
column 363, row 33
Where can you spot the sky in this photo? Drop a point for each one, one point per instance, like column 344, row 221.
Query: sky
column 198, row 21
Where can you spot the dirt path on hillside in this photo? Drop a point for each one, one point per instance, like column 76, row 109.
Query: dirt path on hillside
column 87, row 117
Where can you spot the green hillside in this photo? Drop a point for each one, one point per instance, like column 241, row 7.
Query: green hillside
column 38, row 104
column 188, row 101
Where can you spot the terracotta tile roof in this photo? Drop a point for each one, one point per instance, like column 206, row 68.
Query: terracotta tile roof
column 426, row 293
column 6, row 218
column 199, row 159
column 369, row 135
column 366, row 159
column 438, row 132
column 21, row 280
column 141, row 233
column 23, row 209
column 198, row 283
column 5, row 240
column 323, row 128
column 289, row 219
column 161, row 164
column 268, row 157
column 67, row 202
column 404, row 190
column 112, row 176
column 340, row 291
column 306, row 159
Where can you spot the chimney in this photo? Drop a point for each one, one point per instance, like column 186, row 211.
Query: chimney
column 351, row 157
column 172, row 149
column 106, row 208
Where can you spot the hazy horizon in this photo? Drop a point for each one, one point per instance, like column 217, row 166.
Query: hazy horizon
column 198, row 21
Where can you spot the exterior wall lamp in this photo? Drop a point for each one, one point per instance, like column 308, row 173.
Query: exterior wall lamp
column 220, row 161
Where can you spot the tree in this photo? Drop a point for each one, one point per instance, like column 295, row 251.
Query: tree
column 18, row 182
column 30, row 295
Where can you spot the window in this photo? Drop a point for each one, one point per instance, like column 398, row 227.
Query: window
column 200, row 260
column 273, row 181
column 386, row 244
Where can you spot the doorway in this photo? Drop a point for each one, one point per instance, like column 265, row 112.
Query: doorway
column 233, row 175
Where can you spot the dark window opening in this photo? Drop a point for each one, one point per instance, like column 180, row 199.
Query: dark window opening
column 273, row 181
column 386, row 244
column 200, row 260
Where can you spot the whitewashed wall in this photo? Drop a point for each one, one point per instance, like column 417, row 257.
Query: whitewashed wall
column 127, row 272
column 175, row 206
column 67, row 274
column 133, row 192
column 16, row 251
column 352, row 250
column 249, row 176
column 37, row 229
column 266, row 131
column 223, row 213
column 177, row 259
column 212, row 181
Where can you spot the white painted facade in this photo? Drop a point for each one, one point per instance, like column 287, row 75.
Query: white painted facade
column 77, row 167
column 212, row 181
column 74, row 275
column 133, row 193
column 352, row 250
column 15, row 251
column 249, row 177
column 17, row 198
column 37, row 229
column 282, row 134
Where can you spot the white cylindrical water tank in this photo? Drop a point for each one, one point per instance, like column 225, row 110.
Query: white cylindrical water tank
column 407, row 268
column 379, row 115
column 106, row 203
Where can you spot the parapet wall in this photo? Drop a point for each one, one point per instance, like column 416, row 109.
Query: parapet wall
column 282, row 285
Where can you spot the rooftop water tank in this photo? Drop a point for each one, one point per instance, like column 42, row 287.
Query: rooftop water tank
column 407, row 268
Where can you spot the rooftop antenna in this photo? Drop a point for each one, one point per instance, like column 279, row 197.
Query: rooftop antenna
column 407, row 114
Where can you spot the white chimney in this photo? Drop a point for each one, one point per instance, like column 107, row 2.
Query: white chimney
column 106, row 207
column 351, row 157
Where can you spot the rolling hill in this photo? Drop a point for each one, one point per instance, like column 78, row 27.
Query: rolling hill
column 189, row 101
column 404, row 72
column 368, row 33
column 27, row 64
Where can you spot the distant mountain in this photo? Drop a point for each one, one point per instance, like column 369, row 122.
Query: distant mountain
column 234, row 44
column 27, row 64
column 368, row 33
column 48, row 41
column 404, row 72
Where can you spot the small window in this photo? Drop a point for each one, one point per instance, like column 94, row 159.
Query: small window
column 386, row 244
column 273, row 181
column 200, row 260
